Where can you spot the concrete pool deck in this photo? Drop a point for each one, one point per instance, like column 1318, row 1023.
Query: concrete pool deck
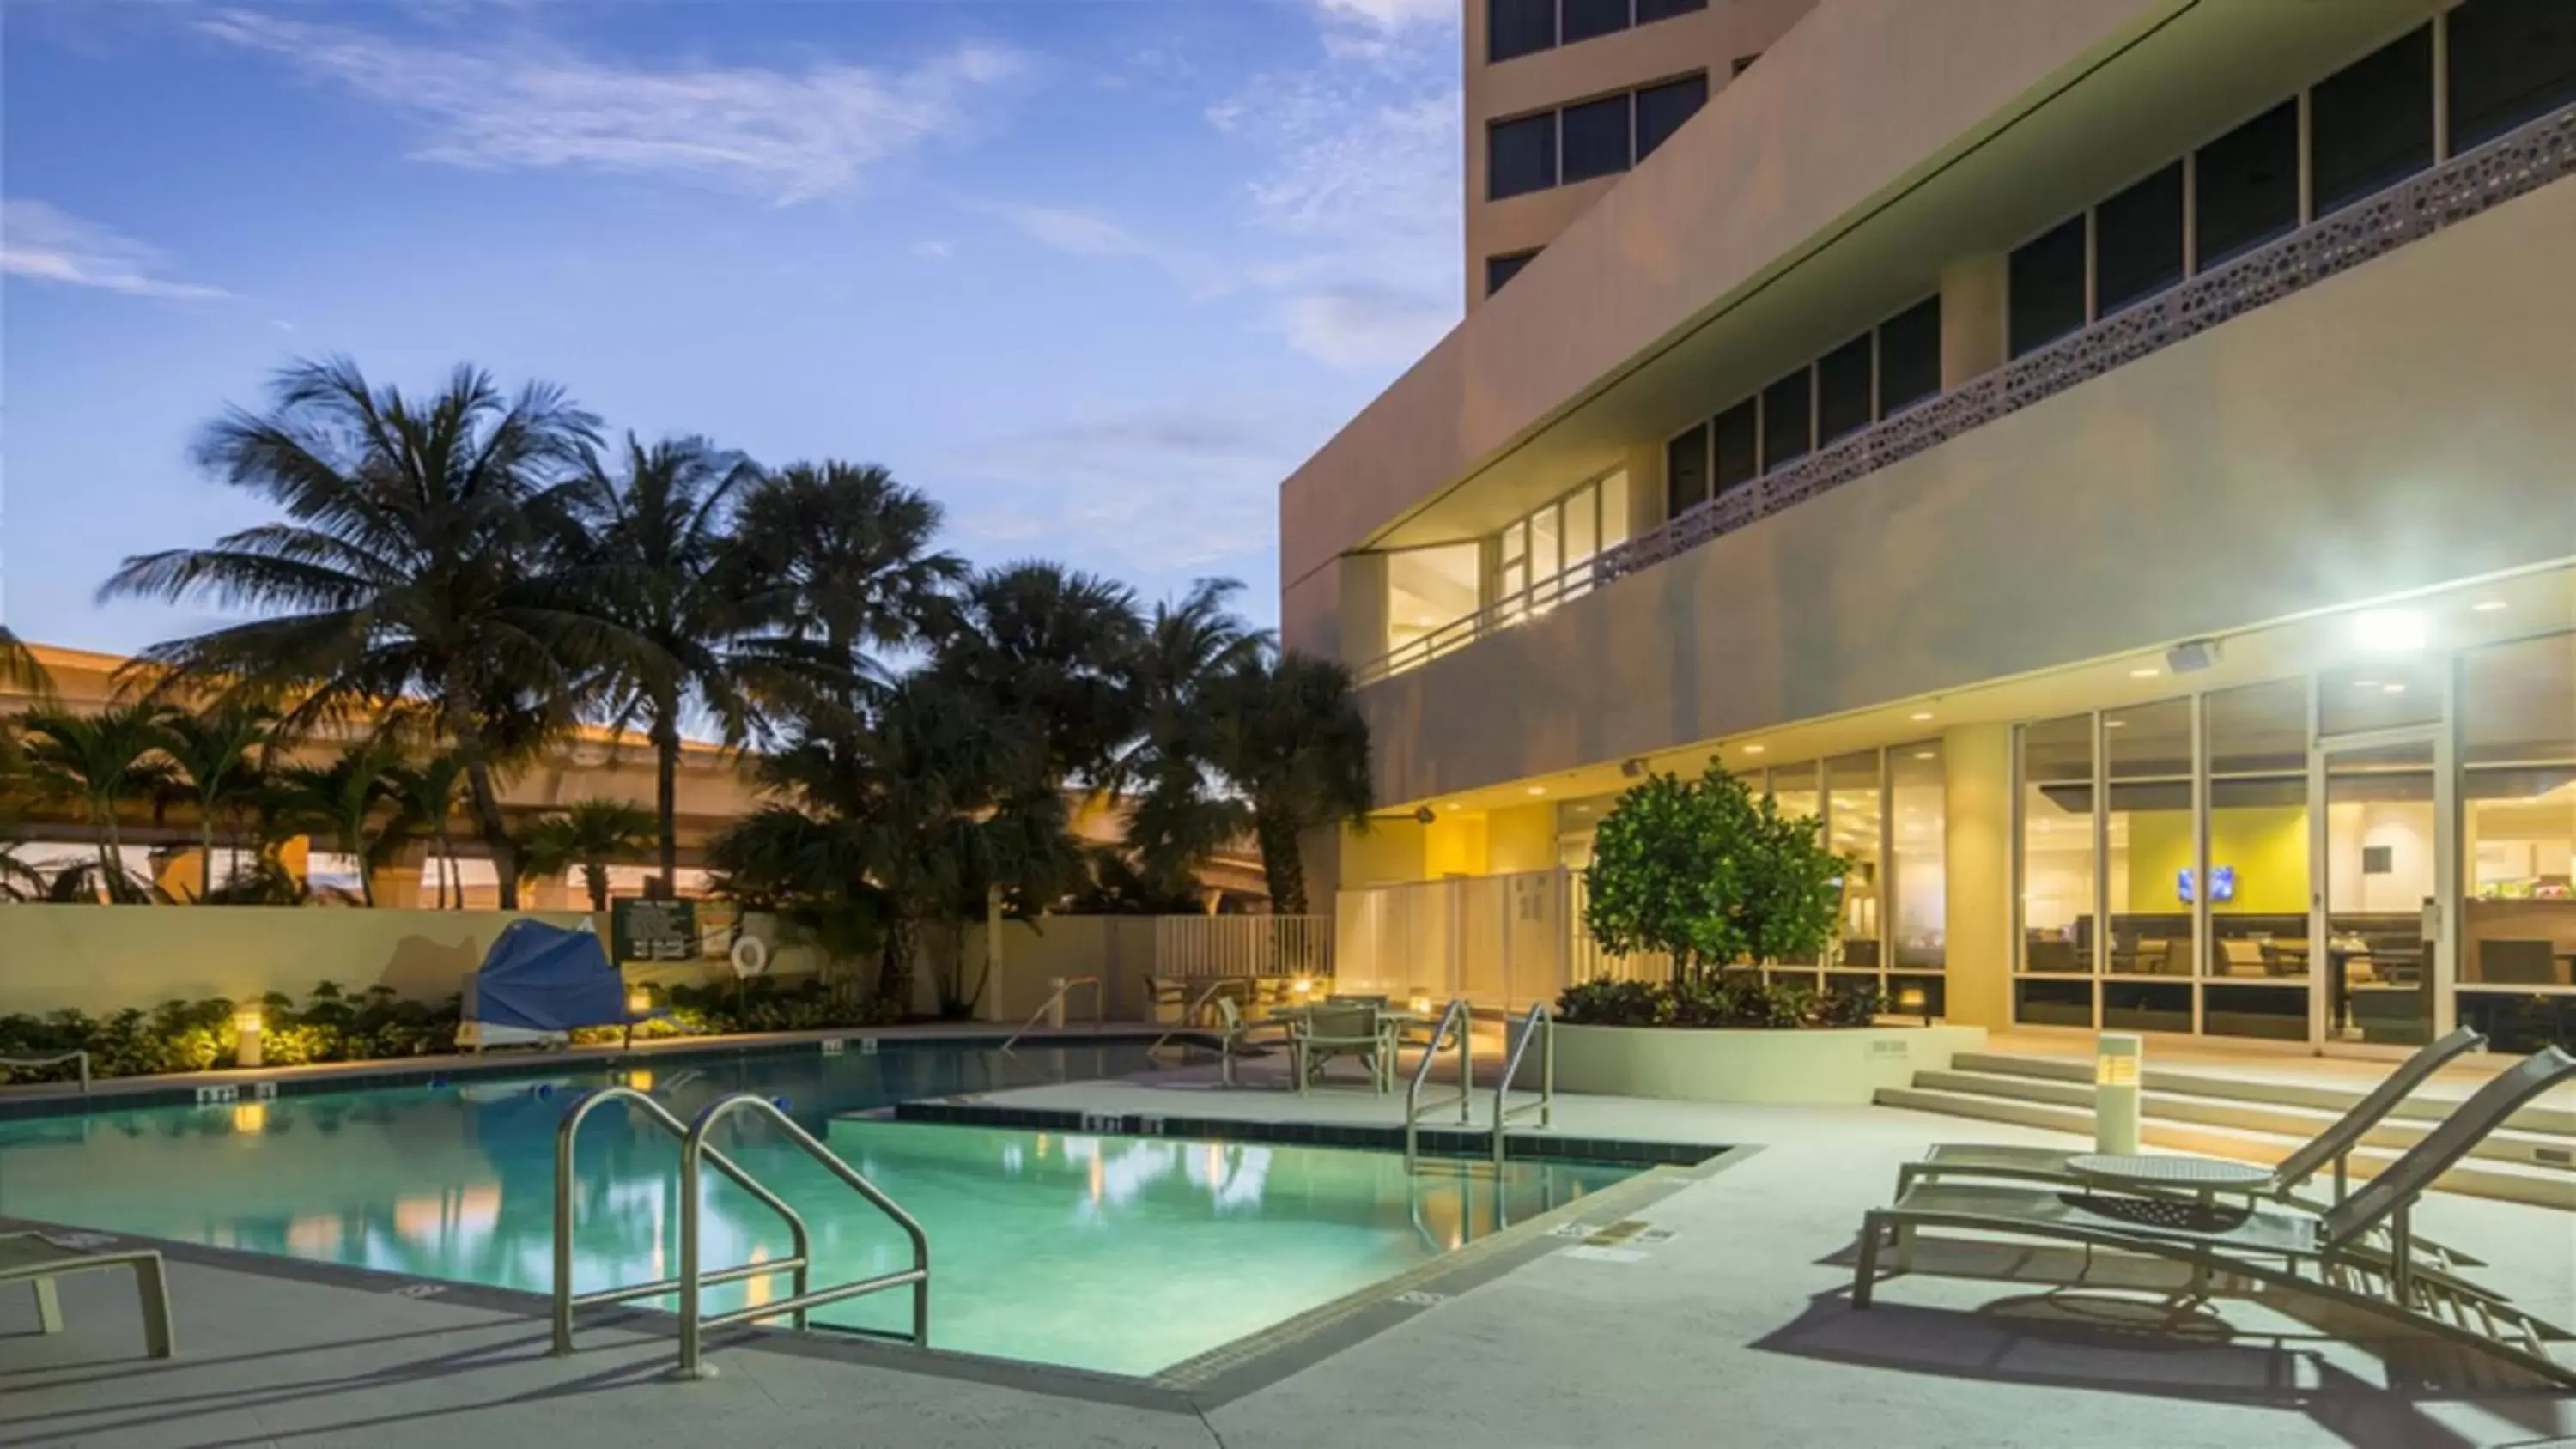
column 1735, row 1327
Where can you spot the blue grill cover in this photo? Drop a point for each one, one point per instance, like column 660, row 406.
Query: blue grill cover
column 545, row 978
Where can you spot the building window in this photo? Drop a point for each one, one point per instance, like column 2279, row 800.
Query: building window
column 1650, row 11
column 1519, row 27
column 1523, row 156
column 1662, row 109
column 1739, row 445
column 1918, row 881
column 1788, row 413
column 1744, row 63
column 1499, row 270
column 1843, row 390
column 1598, row 139
column 2248, row 185
column 2511, row 61
column 1909, row 357
column 1586, row 19
column 2371, row 123
column 2518, row 797
column 1427, row 588
column 1686, row 472
column 2047, row 287
column 2137, row 241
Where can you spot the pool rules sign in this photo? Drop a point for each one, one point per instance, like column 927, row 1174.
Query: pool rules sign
column 645, row 930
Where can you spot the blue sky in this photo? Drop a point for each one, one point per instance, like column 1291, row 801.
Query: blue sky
column 1094, row 273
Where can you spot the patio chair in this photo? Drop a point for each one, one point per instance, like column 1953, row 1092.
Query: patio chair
column 2333, row 1146
column 2360, row 1253
column 1235, row 1031
column 1331, row 1031
column 33, row 1259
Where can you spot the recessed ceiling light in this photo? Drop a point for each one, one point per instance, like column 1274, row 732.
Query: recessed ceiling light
column 2487, row 606
column 2365, row 684
column 1538, row 789
column 1926, row 754
column 1920, row 715
column 2390, row 631
column 2148, row 672
column 1753, row 749
column 2392, row 689
column 2113, row 724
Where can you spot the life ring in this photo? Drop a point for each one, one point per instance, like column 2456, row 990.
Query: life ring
column 750, row 956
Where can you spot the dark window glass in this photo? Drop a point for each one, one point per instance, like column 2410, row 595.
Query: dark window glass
column 1787, row 408
column 1650, row 11
column 2137, row 241
column 1585, row 19
column 1842, row 390
column 1744, row 63
column 1596, row 139
column 1662, row 109
column 1499, row 270
column 1522, row 156
column 1739, row 444
column 2047, row 284
column 2371, row 123
column 1519, row 27
column 2249, row 185
column 1909, row 357
column 2511, row 60
column 1686, row 472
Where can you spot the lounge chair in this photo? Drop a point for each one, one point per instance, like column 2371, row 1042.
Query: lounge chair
column 2331, row 1147
column 2360, row 1253
column 34, row 1259
column 1237, row 1032
column 1331, row 1031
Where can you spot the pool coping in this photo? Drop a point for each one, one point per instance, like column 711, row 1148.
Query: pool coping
column 1461, row 1143
column 200, row 1089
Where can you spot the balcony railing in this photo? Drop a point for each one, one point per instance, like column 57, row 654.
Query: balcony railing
column 2514, row 164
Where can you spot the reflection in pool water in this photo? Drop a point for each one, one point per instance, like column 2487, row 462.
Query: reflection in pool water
column 1119, row 1254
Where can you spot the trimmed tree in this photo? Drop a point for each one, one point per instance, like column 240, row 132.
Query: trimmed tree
column 1705, row 873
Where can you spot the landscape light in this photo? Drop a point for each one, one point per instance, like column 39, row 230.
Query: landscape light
column 246, row 1028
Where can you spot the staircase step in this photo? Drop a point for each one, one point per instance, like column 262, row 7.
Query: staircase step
column 2202, row 1080
column 2515, row 1179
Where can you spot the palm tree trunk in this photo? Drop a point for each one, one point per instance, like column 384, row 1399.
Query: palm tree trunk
column 894, row 979
column 447, row 866
column 595, row 875
column 205, row 850
column 494, row 830
column 666, row 787
column 1280, row 864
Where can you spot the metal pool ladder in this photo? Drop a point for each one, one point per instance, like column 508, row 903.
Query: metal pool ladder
column 1460, row 1018
column 694, row 1277
column 1541, row 1025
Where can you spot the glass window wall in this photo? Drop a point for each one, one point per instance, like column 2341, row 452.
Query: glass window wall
column 2254, row 961
column 2154, row 873
column 2517, row 949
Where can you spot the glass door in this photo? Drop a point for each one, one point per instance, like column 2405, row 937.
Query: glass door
column 2386, row 891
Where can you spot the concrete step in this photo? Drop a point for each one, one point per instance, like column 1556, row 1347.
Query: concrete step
column 2206, row 1080
column 2506, row 1179
column 2295, row 1124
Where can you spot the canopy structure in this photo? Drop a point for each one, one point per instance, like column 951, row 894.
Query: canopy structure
column 543, row 981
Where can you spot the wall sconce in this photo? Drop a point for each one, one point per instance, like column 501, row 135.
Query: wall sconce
column 1303, row 988
column 246, row 1026
column 2116, row 1076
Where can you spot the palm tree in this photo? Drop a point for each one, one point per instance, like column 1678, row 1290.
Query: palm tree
column 1049, row 646
column 409, row 566
column 20, row 669
column 831, row 562
column 426, row 795
column 656, row 539
column 348, row 802
column 215, row 755
column 1181, row 809
column 95, row 763
column 590, row 834
column 1290, row 739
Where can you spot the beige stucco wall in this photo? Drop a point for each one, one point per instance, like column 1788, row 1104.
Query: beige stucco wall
column 101, row 959
column 2409, row 423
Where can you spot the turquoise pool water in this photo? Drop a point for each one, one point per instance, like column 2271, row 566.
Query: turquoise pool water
column 1119, row 1254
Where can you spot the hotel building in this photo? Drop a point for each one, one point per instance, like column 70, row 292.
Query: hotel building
column 2112, row 461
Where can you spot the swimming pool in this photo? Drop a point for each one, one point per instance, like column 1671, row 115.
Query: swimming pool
column 1119, row 1254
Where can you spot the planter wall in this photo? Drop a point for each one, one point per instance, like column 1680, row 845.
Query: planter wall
column 1816, row 1067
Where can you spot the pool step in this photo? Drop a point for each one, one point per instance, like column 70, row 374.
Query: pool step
column 2518, row 1165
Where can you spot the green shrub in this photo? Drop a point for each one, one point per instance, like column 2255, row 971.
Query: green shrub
column 1739, row 999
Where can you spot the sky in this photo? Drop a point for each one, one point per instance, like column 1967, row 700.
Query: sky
column 1095, row 274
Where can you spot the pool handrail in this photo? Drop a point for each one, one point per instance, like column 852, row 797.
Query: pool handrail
column 1063, row 994
column 1540, row 1023
column 55, row 1059
column 798, row 1262
column 694, row 1321
column 1463, row 1017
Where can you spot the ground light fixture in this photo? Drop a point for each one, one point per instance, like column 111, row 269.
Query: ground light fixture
column 1915, row 1001
column 2116, row 1071
column 246, row 1037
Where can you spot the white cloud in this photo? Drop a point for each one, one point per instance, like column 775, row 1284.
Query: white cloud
column 1390, row 14
column 783, row 137
column 47, row 244
column 1363, row 329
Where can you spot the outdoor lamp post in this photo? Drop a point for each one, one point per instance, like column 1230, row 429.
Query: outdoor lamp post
column 2115, row 1093
column 246, row 1037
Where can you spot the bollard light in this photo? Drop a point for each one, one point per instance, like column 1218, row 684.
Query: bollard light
column 2116, row 1073
column 639, row 1002
column 246, row 1037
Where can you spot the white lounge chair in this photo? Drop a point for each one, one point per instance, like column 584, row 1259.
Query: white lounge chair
column 34, row 1259
column 2360, row 1253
